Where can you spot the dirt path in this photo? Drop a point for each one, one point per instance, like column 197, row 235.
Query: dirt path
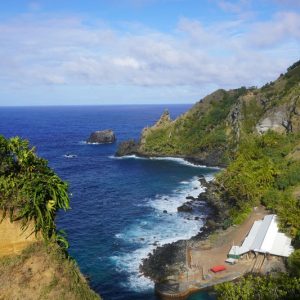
column 203, row 255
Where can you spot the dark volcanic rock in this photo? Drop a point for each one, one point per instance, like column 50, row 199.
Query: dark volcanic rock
column 186, row 207
column 170, row 259
column 127, row 148
column 202, row 181
column 164, row 261
column 102, row 137
column 190, row 198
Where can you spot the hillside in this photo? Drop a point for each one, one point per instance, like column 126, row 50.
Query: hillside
column 255, row 134
column 210, row 132
column 42, row 271
column 34, row 261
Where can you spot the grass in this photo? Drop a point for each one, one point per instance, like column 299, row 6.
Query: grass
column 43, row 272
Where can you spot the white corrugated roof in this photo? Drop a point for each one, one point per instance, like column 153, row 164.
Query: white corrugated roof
column 265, row 237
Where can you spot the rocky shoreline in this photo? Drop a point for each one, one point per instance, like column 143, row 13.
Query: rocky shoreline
column 132, row 147
column 170, row 260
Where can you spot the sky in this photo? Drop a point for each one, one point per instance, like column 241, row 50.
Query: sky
column 107, row 52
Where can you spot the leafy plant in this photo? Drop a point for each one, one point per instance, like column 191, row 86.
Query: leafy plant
column 29, row 189
column 251, row 287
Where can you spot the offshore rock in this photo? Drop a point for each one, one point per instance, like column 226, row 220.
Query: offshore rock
column 102, row 137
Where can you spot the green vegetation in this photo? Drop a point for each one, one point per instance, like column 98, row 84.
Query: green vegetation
column 222, row 128
column 266, row 170
column 200, row 130
column 29, row 189
column 263, row 173
column 281, row 286
column 211, row 130
column 262, row 169
column 31, row 192
column 294, row 263
column 42, row 271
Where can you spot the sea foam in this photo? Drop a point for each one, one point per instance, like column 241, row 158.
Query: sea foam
column 157, row 229
column 178, row 160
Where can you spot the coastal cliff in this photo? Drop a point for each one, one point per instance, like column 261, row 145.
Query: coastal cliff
column 211, row 130
column 34, row 261
column 255, row 134
column 13, row 239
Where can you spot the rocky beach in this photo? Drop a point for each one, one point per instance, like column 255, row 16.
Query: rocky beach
column 170, row 259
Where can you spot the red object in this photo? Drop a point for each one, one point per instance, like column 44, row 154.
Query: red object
column 216, row 269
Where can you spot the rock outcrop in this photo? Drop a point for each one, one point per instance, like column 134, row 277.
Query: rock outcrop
column 102, row 137
column 163, row 120
column 127, row 148
column 283, row 119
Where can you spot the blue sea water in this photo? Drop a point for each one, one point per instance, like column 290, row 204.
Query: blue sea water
column 118, row 205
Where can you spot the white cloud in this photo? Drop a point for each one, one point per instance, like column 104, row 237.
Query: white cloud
column 285, row 26
column 127, row 62
column 66, row 51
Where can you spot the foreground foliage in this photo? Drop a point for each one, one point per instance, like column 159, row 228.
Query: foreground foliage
column 29, row 189
column 281, row 286
column 31, row 192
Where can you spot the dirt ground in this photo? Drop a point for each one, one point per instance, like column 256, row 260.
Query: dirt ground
column 13, row 239
column 42, row 272
column 206, row 254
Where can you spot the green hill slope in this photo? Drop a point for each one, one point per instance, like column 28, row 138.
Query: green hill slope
column 210, row 132
column 255, row 134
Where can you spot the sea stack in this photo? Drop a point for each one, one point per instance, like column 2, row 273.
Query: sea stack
column 102, row 137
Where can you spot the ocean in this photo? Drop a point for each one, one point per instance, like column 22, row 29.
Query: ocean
column 121, row 207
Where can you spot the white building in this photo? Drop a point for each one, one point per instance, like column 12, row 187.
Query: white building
column 264, row 237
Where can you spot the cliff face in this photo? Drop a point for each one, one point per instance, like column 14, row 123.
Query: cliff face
column 34, row 263
column 32, row 269
column 42, row 272
column 210, row 131
column 13, row 240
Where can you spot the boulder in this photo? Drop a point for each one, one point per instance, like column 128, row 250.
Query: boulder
column 102, row 137
column 185, row 208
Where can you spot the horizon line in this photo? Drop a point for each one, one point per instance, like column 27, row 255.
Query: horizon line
column 78, row 105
